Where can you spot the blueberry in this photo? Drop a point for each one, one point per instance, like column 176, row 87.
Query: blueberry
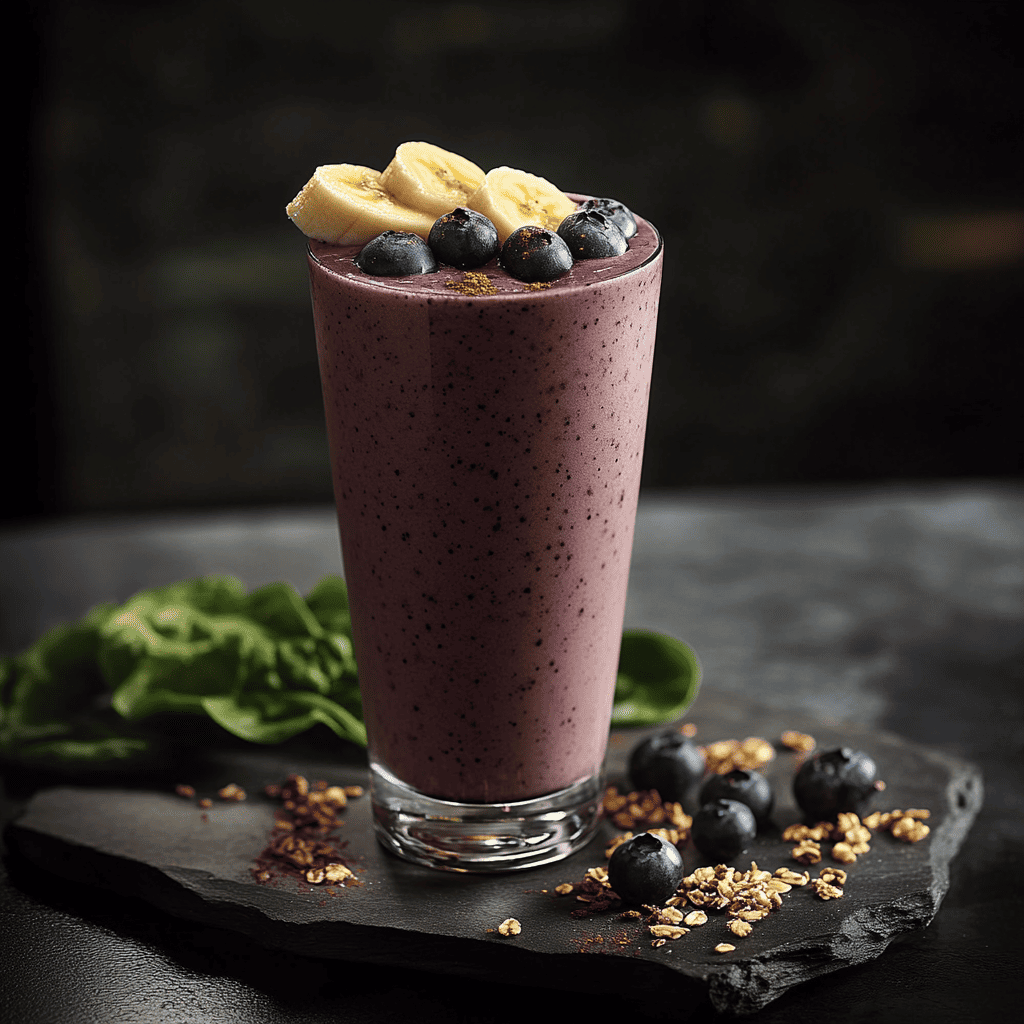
column 396, row 254
column 667, row 762
column 645, row 869
column 723, row 829
column 834, row 781
column 624, row 219
column 464, row 239
column 592, row 235
column 535, row 254
column 747, row 787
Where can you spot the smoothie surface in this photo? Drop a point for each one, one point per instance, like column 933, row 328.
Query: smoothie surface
column 454, row 284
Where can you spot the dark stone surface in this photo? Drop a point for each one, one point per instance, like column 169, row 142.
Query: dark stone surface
column 163, row 849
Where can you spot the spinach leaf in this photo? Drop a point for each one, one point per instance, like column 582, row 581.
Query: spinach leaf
column 657, row 681
column 263, row 666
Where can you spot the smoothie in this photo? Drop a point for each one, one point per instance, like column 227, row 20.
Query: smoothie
column 486, row 452
column 486, row 442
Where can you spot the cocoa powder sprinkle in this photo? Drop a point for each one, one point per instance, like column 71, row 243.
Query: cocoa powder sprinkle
column 472, row 283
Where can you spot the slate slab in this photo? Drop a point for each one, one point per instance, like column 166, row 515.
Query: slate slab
column 152, row 844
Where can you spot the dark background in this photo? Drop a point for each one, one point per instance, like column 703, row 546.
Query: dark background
column 838, row 183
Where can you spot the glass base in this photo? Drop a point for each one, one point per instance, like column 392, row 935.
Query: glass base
column 457, row 836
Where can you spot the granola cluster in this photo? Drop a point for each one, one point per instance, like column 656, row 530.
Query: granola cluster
column 907, row 826
column 744, row 897
column 301, row 841
column 723, row 756
column 829, row 883
column 850, row 837
column 801, row 742
column 645, row 811
column 232, row 793
column 594, row 892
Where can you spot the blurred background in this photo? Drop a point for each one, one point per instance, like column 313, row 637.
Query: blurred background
column 838, row 183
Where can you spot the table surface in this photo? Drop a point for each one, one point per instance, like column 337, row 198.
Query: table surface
column 898, row 608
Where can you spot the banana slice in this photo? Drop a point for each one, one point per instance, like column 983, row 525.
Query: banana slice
column 511, row 198
column 431, row 179
column 345, row 204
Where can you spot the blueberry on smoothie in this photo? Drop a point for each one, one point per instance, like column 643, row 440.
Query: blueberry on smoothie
column 668, row 762
column 645, row 869
column 591, row 235
column 723, row 829
column 396, row 254
column 535, row 254
column 834, row 781
column 464, row 239
column 745, row 786
column 613, row 209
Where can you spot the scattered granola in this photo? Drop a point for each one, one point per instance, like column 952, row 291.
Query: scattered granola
column 338, row 873
column 791, row 877
column 799, row 833
column 673, row 915
column 807, row 851
column 844, row 853
column 910, row 830
column 801, row 742
column 724, row 947
column 907, row 825
column 593, row 892
column 616, row 842
column 826, row 891
column 837, row 876
column 853, row 832
column 232, row 792
column 722, row 757
column 301, row 842
column 510, row 926
column 747, row 896
column 645, row 811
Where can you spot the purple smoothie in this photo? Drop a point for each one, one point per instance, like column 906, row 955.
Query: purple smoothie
column 486, row 454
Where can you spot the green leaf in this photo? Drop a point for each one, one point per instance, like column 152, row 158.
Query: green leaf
column 328, row 601
column 273, row 718
column 52, row 683
column 281, row 611
column 657, row 681
column 172, row 674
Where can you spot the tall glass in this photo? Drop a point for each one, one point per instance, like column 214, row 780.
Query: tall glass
column 486, row 452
